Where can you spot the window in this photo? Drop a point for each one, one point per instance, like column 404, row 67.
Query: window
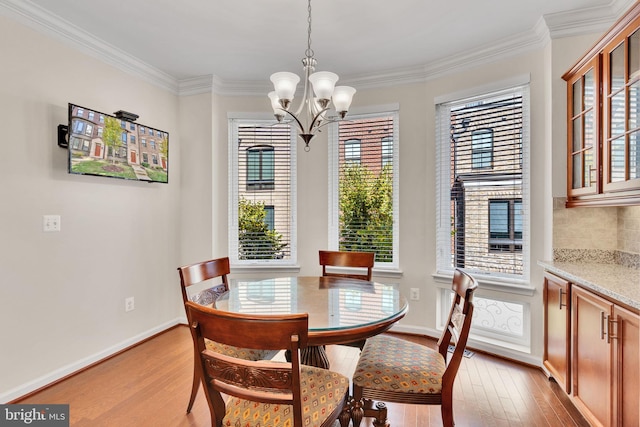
column 124, row 137
column 80, row 112
column 154, row 159
column 262, row 194
column 91, row 115
column 363, row 194
column 260, row 168
column 145, row 158
column 482, row 149
column 482, row 197
column 482, row 206
column 78, row 126
column 387, row 151
column 143, row 142
column 152, row 144
column 269, row 216
column 505, row 225
column 352, row 151
column 132, row 138
column 101, row 118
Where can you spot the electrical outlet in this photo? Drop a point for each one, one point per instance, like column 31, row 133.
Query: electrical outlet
column 51, row 223
column 415, row 294
column 129, row 304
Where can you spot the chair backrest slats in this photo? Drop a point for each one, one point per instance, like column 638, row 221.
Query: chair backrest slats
column 458, row 324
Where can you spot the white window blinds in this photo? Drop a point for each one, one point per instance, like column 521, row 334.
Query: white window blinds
column 262, row 207
column 483, row 184
column 363, row 186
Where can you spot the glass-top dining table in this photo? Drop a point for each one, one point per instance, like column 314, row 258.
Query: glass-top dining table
column 340, row 310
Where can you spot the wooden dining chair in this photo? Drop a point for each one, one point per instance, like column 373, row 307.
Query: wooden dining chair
column 200, row 272
column 265, row 393
column 361, row 260
column 395, row 370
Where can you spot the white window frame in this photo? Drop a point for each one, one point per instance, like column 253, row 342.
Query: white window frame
column 391, row 268
column 233, row 121
column 500, row 285
column 443, row 221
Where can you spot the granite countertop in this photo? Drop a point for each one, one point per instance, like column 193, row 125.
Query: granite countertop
column 618, row 282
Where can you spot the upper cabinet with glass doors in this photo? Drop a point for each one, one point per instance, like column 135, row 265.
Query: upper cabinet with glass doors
column 603, row 151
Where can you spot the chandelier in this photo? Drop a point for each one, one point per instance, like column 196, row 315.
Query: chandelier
column 311, row 114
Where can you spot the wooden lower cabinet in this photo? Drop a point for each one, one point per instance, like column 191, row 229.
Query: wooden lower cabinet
column 592, row 357
column 557, row 332
column 604, row 358
column 626, row 355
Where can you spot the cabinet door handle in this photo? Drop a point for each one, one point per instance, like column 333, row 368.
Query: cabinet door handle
column 560, row 294
column 603, row 321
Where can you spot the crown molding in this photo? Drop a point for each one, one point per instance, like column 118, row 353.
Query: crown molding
column 548, row 27
column 585, row 21
column 42, row 21
column 197, row 85
column 551, row 26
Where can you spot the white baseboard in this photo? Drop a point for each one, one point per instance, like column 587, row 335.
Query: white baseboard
column 87, row 361
column 31, row 386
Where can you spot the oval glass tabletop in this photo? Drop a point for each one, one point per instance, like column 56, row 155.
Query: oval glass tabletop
column 333, row 303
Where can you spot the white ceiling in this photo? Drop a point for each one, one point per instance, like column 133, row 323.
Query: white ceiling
column 247, row 40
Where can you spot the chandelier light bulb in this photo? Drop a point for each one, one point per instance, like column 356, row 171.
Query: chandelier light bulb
column 323, row 83
column 342, row 97
column 285, row 84
column 275, row 104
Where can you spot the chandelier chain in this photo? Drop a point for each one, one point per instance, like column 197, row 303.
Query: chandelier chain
column 309, row 51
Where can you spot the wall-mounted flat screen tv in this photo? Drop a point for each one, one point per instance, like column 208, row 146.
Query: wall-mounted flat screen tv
column 104, row 145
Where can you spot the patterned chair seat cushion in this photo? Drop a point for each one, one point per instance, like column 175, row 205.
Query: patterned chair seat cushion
column 240, row 353
column 322, row 391
column 207, row 297
column 392, row 364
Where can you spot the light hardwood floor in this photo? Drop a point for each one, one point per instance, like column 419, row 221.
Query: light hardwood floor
column 149, row 385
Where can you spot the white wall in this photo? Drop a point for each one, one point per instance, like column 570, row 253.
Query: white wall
column 62, row 294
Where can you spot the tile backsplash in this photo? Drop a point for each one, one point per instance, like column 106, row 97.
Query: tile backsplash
column 629, row 229
column 605, row 229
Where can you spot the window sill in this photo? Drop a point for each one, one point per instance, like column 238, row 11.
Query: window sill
column 513, row 286
column 393, row 273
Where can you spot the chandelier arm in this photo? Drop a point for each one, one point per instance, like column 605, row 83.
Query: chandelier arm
column 296, row 119
column 315, row 119
column 327, row 122
column 307, row 94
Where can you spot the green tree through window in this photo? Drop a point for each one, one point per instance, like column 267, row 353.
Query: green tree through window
column 256, row 240
column 366, row 211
